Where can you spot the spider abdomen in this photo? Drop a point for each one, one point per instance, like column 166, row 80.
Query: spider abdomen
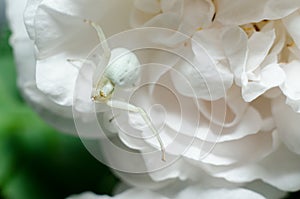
column 123, row 67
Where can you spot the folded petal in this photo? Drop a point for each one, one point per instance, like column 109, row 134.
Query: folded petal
column 287, row 123
column 235, row 46
column 148, row 6
column 51, row 79
column 210, row 39
column 242, row 11
column 88, row 195
column 205, row 79
column 198, row 191
column 14, row 14
column 291, row 86
column 280, row 169
column 58, row 31
column 129, row 194
column 198, row 14
column 291, row 23
column 210, row 193
column 259, row 45
column 255, row 146
column 269, row 77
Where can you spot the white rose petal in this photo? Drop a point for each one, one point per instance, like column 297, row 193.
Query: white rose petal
column 129, row 194
column 191, row 14
column 55, row 47
column 53, row 70
column 287, row 122
column 15, row 10
column 202, row 78
column 190, row 192
column 291, row 23
column 284, row 175
column 259, row 45
column 165, row 20
column 253, row 11
column 196, row 192
column 88, row 195
column 256, row 146
column 210, row 39
column 148, row 6
column 291, row 86
column 270, row 76
column 234, row 41
column 246, row 58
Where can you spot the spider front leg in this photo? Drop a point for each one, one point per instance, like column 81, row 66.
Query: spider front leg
column 101, row 36
column 81, row 61
column 129, row 107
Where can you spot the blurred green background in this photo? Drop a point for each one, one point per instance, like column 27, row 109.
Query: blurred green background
column 37, row 162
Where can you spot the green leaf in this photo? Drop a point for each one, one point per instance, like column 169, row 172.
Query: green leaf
column 22, row 186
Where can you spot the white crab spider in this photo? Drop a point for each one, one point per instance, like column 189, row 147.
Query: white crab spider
column 122, row 73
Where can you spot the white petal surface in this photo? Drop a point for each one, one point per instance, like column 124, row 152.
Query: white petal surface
column 199, row 192
column 58, row 30
column 256, row 146
column 291, row 23
column 14, row 14
column 235, row 47
column 88, row 195
column 198, row 14
column 129, row 194
column 287, row 122
column 51, row 79
column 269, row 77
column 253, row 11
column 148, row 6
column 280, row 169
column 291, row 86
column 189, row 192
column 202, row 78
column 259, row 45
column 210, row 39
column 139, row 193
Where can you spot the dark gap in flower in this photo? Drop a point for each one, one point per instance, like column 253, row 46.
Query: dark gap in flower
column 213, row 18
column 256, row 27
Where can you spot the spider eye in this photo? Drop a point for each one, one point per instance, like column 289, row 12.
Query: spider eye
column 102, row 94
column 103, row 91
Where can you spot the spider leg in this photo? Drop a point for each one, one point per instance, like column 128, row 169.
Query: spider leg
column 106, row 51
column 101, row 37
column 129, row 107
column 74, row 61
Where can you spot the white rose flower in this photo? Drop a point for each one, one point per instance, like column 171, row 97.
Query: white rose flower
column 219, row 111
